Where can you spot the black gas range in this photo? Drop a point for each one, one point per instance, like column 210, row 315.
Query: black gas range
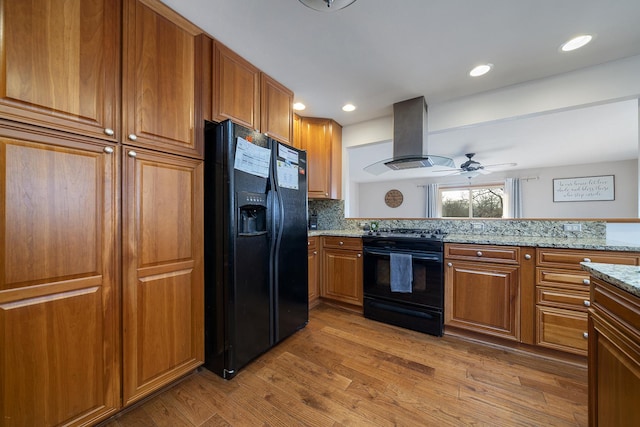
column 415, row 301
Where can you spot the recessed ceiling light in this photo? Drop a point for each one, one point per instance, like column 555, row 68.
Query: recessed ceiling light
column 576, row 43
column 480, row 70
column 348, row 107
column 299, row 106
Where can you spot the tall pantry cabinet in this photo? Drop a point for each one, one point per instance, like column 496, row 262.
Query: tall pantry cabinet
column 101, row 274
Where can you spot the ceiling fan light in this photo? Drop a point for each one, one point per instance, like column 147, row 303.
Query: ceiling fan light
column 327, row 5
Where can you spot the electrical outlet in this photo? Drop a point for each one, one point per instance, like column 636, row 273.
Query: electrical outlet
column 572, row 227
column 477, row 226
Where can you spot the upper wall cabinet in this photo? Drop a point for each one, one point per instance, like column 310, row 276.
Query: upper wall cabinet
column 249, row 97
column 322, row 138
column 236, row 88
column 161, row 92
column 276, row 116
column 60, row 64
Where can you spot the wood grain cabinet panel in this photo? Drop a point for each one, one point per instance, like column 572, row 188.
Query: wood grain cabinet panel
column 59, row 300
column 161, row 94
column 562, row 290
column 342, row 270
column 163, row 287
column 483, row 297
column 60, row 64
column 236, row 88
column 322, row 139
column 614, row 356
column 276, row 111
column 314, row 271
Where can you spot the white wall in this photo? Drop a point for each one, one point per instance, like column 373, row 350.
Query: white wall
column 537, row 193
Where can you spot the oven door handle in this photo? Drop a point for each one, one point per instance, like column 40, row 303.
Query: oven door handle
column 419, row 256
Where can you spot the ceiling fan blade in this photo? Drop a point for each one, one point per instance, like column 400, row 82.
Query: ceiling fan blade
column 501, row 165
column 449, row 171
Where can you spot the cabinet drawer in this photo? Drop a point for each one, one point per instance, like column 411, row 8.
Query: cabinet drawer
column 567, row 258
column 569, row 279
column 500, row 254
column 564, row 330
column 351, row 243
column 312, row 243
column 561, row 298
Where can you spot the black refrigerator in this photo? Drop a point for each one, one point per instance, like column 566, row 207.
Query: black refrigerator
column 256, row 271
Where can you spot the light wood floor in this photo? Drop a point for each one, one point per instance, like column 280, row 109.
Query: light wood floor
column 343, row 369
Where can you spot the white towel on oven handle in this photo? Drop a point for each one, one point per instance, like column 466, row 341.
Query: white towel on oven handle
column 401, row 272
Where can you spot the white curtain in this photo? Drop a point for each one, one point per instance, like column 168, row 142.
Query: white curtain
column 513, row 196
column 431, row 210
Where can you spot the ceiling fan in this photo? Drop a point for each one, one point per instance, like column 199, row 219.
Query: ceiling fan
column 473, row 168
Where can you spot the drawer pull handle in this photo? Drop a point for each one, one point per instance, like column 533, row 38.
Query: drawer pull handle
column 449, row 264
column 585, row 335
column 341, row 243
column 527, row 256
column 108, row 150
column 479, row 253
column 586, row 303
column 359, row 255
column 586, row 281
column 132, row 153
column 315, row 252
column 109, row 132
column 587, row 259
column 133, row 136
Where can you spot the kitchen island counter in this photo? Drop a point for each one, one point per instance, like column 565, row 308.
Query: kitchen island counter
column 625, row 277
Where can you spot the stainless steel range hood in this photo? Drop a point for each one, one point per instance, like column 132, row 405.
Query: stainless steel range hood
column 409, row 140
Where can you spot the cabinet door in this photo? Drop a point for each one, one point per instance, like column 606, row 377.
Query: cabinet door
column 163, row 284
column 483, row 297
column 276, row 110
column 161, row 95
column 316, row 139
column 562, row 329
column 59, row 318
column 60, row 64
column 314, row 271
column 236, row 88
column 342, row 276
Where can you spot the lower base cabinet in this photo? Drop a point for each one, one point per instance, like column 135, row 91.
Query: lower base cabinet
column 614, row 356
column 314, row 271
column 341, row 278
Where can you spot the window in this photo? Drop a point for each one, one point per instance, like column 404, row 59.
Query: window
column 485, row 201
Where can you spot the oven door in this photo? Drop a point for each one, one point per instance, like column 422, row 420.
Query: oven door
column 428, row 277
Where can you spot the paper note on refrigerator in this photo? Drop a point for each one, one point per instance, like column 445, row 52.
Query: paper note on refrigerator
column 287, row 175
column 252, row 159
column 287, row 167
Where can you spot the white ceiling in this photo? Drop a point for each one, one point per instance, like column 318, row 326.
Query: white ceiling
column 378, row 52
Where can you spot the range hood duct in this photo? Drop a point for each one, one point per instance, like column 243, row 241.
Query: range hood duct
column 409, row 140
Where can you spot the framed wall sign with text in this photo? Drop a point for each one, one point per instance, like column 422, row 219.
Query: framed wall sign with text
column 584, row 189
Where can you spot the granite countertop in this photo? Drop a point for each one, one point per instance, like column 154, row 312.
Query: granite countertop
column 488, row 239
column 626, row 277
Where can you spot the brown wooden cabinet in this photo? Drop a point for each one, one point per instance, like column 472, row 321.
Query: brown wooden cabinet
column 342, row 269
column 562, row 296
column 59, row 295
column 322, row 138
column 482, row 289
column 276, row 110
column 236, row 88
column 242, row 93
column 614, row 356
column 60, row 65
column 161, row 92
column 314, row 271
column 163, row 290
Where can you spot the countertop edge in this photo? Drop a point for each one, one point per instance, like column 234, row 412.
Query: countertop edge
column 600, row 244
column 625, row 277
